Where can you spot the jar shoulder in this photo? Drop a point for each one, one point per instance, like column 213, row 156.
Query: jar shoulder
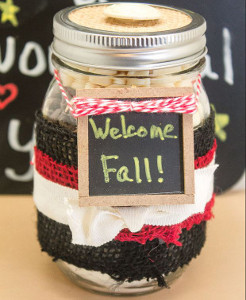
column 55, row 106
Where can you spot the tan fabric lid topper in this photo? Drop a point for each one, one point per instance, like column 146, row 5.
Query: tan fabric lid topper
column 129, row 17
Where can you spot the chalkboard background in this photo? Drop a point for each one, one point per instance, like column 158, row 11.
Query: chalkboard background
column 24, row 62
column 170, row 150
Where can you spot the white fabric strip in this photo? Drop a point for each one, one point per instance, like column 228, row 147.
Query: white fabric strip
column 94, row 226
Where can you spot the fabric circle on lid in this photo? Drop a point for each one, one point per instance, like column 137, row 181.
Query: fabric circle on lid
column 96, row 17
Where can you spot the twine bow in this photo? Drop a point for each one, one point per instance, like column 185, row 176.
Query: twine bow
column 80, row 106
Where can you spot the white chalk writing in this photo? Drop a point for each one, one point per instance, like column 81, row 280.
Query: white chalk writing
column 13, row 133
column 227, row 57
column 227, row 60
column 208, row 70
column 7, row 63
column 40, row 67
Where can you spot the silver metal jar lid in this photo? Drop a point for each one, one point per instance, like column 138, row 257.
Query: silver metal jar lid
column 128, row 50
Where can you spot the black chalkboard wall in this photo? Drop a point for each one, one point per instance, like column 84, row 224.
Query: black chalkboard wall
column 25, row 72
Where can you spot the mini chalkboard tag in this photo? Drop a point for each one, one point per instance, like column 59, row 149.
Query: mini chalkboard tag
column 135, row 158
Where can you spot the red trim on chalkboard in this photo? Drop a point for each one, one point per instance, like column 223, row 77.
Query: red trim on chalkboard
column 169, row 234
column 68, row 175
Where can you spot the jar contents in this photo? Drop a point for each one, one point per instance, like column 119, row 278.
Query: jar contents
column 121, row 250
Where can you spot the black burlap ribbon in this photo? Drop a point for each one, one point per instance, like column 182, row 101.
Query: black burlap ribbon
column 60, row 141
column 122, row 261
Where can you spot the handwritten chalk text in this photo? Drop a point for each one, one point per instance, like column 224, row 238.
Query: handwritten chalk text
column 128, row 131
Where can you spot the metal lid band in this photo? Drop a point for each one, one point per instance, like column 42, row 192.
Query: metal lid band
column 128, row 51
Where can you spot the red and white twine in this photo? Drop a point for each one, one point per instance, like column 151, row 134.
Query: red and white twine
column 80, row 106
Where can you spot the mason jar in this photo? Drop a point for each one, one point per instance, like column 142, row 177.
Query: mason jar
column 95, row 47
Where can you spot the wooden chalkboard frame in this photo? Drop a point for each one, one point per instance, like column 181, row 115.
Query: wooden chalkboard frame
column 136, row 199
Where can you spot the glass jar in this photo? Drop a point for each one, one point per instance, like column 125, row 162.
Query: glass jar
column 117, row 267
column 75, row 77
